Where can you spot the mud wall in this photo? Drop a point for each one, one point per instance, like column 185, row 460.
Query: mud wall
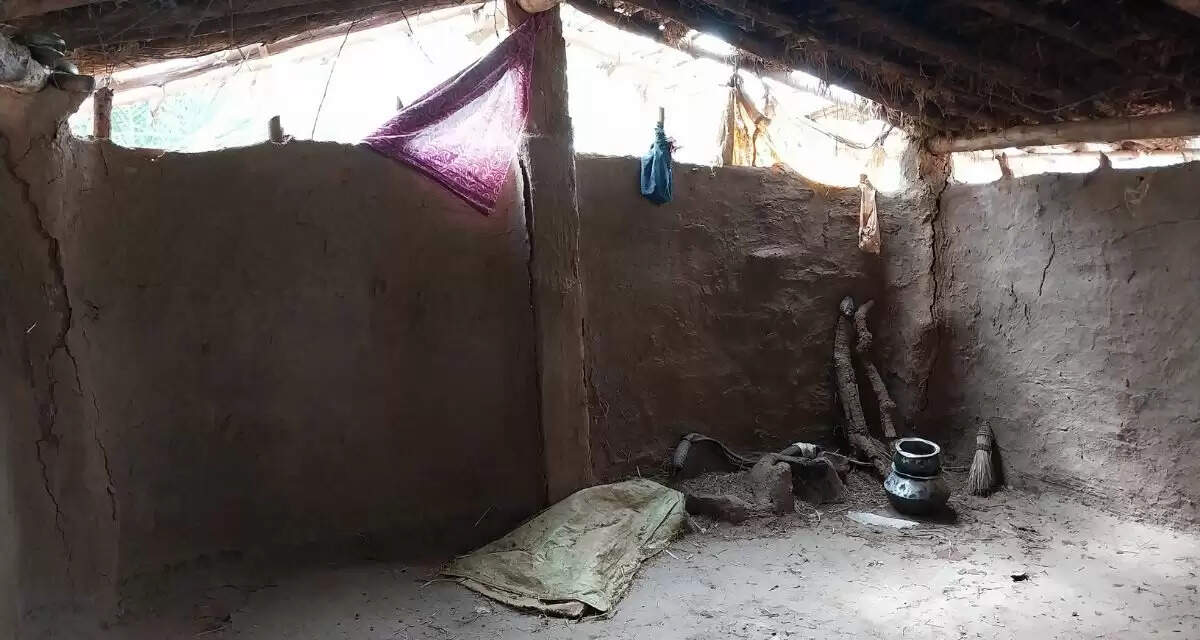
column 1069, row 306
column 257, row 347
column 715, row 312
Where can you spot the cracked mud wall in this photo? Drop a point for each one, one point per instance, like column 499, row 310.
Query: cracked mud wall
column 248, row 349
column 904, row 320
column 62, row 547
column 715, row 312
column 1070, row 307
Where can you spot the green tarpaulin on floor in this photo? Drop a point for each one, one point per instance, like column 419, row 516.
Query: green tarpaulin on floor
column 580, row 555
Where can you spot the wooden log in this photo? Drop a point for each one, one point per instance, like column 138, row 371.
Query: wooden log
column 102, row 103
column 1043, row 162
column 844, row 367
column 856, row 423
column 19, row 71
column 553, row 221
column 887, row 406
column 1161, row 125
column 877, row 453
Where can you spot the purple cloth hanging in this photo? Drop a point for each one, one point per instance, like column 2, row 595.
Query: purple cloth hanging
column 465, row 132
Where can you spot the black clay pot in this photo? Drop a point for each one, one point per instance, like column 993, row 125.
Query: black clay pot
column 915, row 485
column 917, row 457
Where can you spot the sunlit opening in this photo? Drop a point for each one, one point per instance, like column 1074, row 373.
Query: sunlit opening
column 342, row 87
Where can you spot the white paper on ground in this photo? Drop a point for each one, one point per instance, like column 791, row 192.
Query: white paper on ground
column 871, row 519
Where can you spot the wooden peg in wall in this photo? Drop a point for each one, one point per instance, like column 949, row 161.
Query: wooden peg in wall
column 102, row 102
column 275, row 130
column 1006, row 172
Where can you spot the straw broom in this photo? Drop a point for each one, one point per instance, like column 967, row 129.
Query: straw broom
column 982, row 477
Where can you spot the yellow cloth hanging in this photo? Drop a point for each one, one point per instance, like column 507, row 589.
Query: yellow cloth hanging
column 745, row 132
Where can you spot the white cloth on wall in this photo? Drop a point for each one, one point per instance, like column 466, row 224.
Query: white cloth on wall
column 868, row 218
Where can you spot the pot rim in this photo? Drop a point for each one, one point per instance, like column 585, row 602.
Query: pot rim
column 937, row 450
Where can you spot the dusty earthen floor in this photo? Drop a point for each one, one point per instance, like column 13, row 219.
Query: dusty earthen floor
column 1090, row 575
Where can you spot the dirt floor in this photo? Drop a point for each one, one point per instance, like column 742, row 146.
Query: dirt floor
column 1014, row 565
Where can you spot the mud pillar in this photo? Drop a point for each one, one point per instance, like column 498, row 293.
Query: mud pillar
column 552, row 216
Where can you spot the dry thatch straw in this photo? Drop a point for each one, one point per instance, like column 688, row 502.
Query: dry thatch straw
column 982, row 478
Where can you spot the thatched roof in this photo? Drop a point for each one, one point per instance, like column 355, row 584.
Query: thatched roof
column 108, row 35
column 944, row 66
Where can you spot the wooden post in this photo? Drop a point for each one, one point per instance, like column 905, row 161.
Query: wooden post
column 552, row 216
column 102, row 103
column 275, row 130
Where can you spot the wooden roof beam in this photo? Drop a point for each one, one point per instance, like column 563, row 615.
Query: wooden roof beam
column 642, row 26
column 1077, row 36
column 141, row 20
column 254, row 52
column 1187, row 6
column 896, row 29
column 195, row 21
column 978, row 107
column 705, row 21
column 1163, row 125
column 13, row 9
column 649, row 28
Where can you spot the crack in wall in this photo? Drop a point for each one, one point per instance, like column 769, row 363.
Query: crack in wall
column 58, row 514
column 109, row 488
column 941, row 185
column 527, row 208
column 1049, row 261
column 61, row 302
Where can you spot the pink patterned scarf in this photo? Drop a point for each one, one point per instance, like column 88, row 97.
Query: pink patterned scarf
column 465, row 132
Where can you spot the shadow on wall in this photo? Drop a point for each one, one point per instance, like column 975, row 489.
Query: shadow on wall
column 715, row 312
column 1069, row 304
